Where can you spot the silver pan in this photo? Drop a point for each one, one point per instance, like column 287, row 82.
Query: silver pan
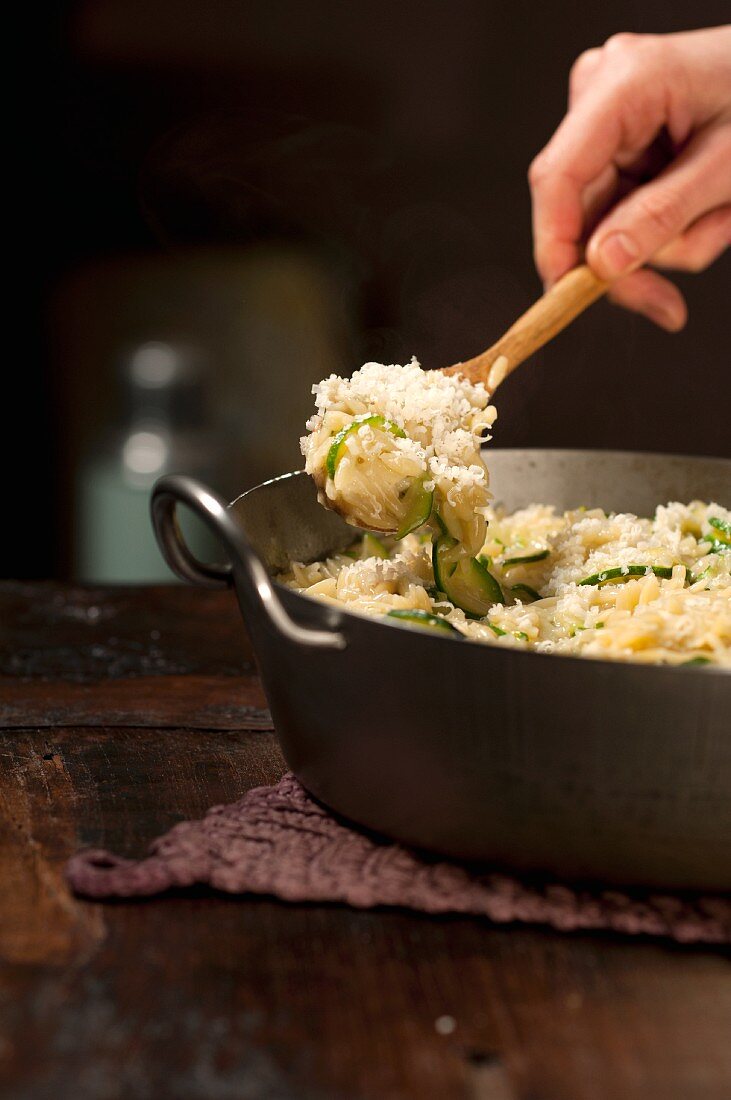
column 584, row 769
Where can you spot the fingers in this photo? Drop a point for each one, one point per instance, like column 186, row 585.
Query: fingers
column 654, row 296
column 618, row 107
column 648, row 293
column 652, row 216
column 700, row 245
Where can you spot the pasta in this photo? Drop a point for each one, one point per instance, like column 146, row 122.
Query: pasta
column 610, row 586
column 396, row 450
column 393, row 444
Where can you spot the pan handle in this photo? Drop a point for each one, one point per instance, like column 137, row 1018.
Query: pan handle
column 174, row 489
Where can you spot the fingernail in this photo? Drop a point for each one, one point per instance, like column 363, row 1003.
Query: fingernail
column 617, row 253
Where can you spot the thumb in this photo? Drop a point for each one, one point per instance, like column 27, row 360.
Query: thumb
column 649, row 218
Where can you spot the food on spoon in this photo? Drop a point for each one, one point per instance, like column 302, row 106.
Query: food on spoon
column 655, row 590
column 395, row 447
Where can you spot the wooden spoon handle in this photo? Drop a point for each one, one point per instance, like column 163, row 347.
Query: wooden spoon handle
column 566, row 299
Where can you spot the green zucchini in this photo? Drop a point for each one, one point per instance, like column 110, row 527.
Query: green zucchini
column 526, row 588
column 337, row 447
column 498, row 596
column 525, row 559
column 464, row 580
column 721, row 525
column 696, row 661
column 444, row 554
column 500, row 633
column 372, row 547
column 717, row 545
column 626, row 572
column 439, row 523
column 417, row 502
column 425, row 619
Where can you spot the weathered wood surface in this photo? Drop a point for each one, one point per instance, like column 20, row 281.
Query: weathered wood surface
column 128, row 657
column 204, row 996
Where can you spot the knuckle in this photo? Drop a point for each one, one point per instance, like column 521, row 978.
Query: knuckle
column 632, row 52
column 538, row 169
column 582, row 72
column 535, row 171
column 621, row 43
column 663, row 209
column 584, row 62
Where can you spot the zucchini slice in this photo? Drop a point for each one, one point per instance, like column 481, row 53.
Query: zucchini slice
column 722, row 526
column 497, row 591
column 417, row 617
column 696, row 661
column 444, row 555
column 626, row 572
column 717, row 545
column 465, row 581
column 417, row 502
column 337, row 447
column 525, row 559
column 525, row 589
column 372, row 547
column 439, row 523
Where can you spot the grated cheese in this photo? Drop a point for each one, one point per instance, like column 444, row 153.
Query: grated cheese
column 443, row 418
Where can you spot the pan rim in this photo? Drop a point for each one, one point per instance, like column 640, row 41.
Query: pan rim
column 674, row 455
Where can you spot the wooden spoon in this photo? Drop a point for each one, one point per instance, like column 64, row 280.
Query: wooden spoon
column 566, row 299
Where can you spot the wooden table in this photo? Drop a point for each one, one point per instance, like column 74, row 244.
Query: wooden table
column 126, row 710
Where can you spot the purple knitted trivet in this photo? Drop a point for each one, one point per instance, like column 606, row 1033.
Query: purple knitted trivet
column 279, row 841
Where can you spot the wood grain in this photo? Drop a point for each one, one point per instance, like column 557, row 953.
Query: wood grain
column 205, row 996
column 81, row 635
column 199, row 702
column 157, row 656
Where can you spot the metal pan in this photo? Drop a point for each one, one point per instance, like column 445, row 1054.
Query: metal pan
column 585, row 769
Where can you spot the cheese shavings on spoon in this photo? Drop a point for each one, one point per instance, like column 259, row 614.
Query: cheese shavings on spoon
column 394, row 447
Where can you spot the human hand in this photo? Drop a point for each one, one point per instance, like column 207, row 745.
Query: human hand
column 639, row 170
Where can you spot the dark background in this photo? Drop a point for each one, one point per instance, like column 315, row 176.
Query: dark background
column 296, row 188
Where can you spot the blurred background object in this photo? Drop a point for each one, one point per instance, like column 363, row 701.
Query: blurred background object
column 162, row 426
column 286, row 190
